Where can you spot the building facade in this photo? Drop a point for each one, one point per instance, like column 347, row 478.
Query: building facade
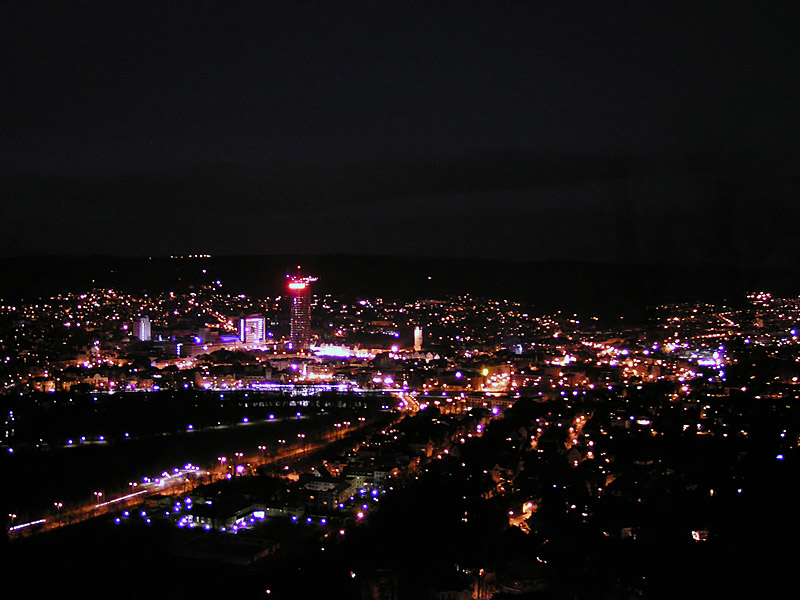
column 300, row 294
column 142, row 329
column 252, row 329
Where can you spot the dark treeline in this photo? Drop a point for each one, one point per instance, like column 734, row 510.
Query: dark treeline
column 44, row 420
column 607, row 290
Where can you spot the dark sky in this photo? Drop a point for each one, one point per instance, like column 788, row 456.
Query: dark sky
column 635, row 132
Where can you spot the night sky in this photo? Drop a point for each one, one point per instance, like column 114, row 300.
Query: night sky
column 627, row 132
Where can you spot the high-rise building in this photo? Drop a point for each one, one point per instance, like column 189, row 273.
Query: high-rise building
column 251, row 329
column 300, row 293
column 417, row 338
column 142, row 329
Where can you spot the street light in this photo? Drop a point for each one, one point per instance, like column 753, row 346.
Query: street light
column 98, row 498
column 59, row 506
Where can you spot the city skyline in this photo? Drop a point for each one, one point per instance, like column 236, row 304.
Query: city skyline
column 386, row 302
column 519, row 430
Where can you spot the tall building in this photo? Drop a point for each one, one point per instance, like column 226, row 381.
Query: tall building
column 417, row 338
column 252, row 329
column 142, row 329
column 300, row 293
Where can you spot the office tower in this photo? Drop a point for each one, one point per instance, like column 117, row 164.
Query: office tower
column 300, row 293
column 142, row 329
column 251, row 329
column 417, row 338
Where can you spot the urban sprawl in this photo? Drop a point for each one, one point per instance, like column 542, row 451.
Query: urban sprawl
column 556, row 423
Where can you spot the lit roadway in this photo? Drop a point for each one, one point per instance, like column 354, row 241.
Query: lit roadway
column 408, row 402
column 180, row 481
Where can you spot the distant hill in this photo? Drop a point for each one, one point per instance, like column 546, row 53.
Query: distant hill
column 607, row 290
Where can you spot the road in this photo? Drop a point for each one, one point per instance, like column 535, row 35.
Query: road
column 180, row 481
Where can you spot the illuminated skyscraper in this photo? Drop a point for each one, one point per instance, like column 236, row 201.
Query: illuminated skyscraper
column 142, row 329
column 417, row 338
column 300, row 293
